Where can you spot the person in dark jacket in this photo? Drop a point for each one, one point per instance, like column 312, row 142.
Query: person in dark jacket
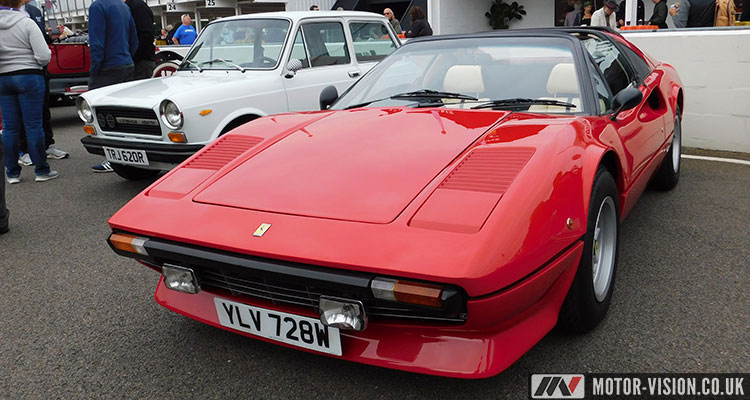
column 170, row 32
column 640, row 13
column 419, row 24
column 694, row 13
column 659, row 18
column 143, row 59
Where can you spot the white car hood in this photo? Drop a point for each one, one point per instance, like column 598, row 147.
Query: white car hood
column 184, row 88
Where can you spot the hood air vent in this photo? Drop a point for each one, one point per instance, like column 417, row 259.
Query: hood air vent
column 224, row 150
column 488, row 170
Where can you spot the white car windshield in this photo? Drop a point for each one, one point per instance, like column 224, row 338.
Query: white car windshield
column 238, row 44
column 517, row 73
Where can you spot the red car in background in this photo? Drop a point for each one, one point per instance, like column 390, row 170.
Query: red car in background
column 69, row 67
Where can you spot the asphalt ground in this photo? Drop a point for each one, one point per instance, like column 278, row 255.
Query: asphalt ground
column 77, row 321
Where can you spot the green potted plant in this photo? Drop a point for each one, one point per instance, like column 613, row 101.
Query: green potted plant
column 501, row 14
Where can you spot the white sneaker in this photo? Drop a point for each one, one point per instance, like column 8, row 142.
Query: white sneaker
column 25, row 160
column 49, row 175
column 13, row 179
column 57, row 154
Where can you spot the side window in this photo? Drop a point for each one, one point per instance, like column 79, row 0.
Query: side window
column 641, row 67
column 326, row 43
column 371, row 41
column 299, row 51
column 611, row 62
column 602, row 91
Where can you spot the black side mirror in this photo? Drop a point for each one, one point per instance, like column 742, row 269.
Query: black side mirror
column 328, row 95
column 628, row 98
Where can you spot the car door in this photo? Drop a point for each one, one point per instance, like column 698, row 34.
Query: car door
column 323, row 50
column 641, row 129
column 372, row 41
column 69, row 58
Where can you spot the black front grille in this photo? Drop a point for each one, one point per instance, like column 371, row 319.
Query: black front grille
column 143, row 121
column 291, row 283
column 306, row 296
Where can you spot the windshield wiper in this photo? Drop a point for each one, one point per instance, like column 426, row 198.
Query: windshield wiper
column 428, row 93
column 524, row 101
column 225, row 62
column 423, row 93
column 194, row 64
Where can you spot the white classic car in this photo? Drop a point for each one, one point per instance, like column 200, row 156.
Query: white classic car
column 239, row 68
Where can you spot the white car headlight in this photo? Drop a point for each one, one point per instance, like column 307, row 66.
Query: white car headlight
column 170, row 114
column 84, row 110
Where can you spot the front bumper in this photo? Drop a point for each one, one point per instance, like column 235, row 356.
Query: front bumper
column 500, row 328
column 167, row 153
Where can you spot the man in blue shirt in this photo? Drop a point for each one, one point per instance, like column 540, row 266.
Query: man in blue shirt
column 185, row 34
column 113, row 41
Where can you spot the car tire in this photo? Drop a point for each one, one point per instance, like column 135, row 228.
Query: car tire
column 133, row 173
column 589, row 296
column 668, row 174
column 165, row 69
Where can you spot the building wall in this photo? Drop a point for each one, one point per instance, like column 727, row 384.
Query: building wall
column 712, row 66
column 452, row 16
column 539, row 14
column 465, row 16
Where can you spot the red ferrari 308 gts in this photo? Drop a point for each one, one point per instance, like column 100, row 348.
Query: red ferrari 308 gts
column 441, row 216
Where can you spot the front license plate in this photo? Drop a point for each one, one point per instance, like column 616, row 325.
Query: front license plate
column 296, row 330
column 125, row 156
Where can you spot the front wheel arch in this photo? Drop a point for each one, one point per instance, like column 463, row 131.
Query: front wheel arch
column 586, row 305
column 241, row 120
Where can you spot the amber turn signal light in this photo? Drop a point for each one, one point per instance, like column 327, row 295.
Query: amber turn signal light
column 177, row 137
column 423, row 294
column 128, row 243
column 89, row 129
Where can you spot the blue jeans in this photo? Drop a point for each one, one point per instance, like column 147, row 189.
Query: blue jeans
column 22, row 100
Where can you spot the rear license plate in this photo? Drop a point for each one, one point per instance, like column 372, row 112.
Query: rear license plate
column 125, row 156
column 308, row 333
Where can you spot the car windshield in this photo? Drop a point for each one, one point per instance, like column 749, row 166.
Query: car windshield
column 523, row 74
column 238, row 44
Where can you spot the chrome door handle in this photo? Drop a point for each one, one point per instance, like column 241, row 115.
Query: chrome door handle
column 353, row 74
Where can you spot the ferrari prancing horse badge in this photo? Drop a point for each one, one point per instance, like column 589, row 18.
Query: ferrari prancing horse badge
column 261, row 230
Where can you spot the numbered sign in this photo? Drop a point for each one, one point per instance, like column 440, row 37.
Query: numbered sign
column 171, row 7
column 210, row 3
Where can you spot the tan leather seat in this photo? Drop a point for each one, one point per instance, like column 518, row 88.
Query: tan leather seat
column 562, row 85
column 464, row 79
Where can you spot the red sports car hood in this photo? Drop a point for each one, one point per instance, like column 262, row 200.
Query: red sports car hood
column 361, row 165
